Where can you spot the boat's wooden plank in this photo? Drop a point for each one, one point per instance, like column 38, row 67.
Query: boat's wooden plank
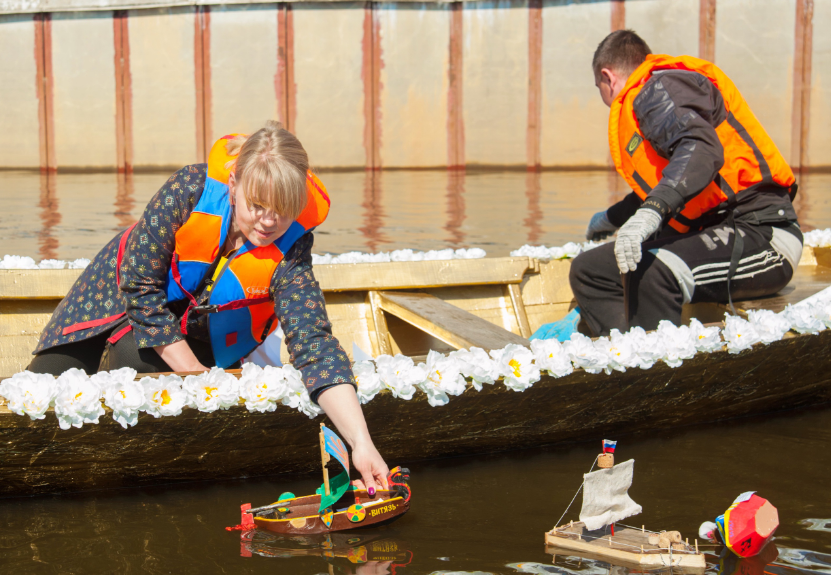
column 36, row 284
column 453, row 325
column 519, row 309
column 418, row 275
column 381, row 343
column 806, row 282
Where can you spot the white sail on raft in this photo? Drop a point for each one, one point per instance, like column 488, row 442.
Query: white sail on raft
column 606, row 496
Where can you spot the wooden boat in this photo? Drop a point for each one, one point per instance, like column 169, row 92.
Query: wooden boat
column 410, row 308
column 335, row 507
column 355, row 510
column 605, row 502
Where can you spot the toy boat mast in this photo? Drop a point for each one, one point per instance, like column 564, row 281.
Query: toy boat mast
column 324, row 458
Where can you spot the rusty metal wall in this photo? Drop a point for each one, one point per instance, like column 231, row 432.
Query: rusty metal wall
column 382, row 84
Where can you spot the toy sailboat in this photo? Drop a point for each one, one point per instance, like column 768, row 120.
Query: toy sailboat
column 606, row 501
column 337, row 505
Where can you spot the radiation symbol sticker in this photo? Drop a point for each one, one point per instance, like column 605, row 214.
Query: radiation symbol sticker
column 327, row 516
column 356, row 513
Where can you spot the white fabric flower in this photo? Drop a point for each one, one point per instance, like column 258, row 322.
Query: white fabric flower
column 78, row 264
column 818, row 238
column 583, row 354
column 822, row 312
column 706, row 339
column 400, row 375
column 368, row 380
column 802, row 318
column 29, row 393
column 739, row 334
column 78, row 400
column 443, row 378
column 679, row 342
column 261, row 388
column 769, row 325
column 647, row 346
column 122, row 393
column 163, row 396
column 516, row 364
column 550, row 356
column 470, row 253
column 618, row 350
column 213, row 390
column 18, row 263
column 297, row 396
column 476, row 364
column 51, row 265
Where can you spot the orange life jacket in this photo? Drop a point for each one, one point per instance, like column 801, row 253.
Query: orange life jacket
column 240, row 293
column 750, row 156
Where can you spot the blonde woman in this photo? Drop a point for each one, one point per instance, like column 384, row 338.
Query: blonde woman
column 220, row 256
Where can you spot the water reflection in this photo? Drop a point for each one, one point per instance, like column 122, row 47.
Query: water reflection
column 455, row 207
column 50, row 217
column 533, row 221
column 356, row 552
column 124, row 202
column 373, row 210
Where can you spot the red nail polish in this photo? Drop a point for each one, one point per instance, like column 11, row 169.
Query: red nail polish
column 371, row 491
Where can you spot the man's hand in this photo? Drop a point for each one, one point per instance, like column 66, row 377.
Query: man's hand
column 634, row 232
column 600, row 227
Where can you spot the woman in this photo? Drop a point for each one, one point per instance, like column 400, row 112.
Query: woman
column 221, row 254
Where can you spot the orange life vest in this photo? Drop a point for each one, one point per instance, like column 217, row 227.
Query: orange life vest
column 240, row 293
column 750, row 156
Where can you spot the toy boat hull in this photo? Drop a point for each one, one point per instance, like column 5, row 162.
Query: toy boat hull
column 623, row 548
column 304, row 518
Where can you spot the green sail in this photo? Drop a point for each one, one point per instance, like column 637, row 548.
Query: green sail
column 338, row 485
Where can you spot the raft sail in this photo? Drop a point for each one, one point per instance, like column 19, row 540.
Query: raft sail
column 606, row 496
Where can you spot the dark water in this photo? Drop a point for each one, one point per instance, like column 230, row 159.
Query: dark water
column 480, row 514
column 72, row 216
column 484, row 514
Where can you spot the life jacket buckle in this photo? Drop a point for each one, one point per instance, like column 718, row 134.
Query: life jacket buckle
column 206, row 308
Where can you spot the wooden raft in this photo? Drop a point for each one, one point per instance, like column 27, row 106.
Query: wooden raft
column 627, row 546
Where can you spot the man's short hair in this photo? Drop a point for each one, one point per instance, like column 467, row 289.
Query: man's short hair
column 621, row 51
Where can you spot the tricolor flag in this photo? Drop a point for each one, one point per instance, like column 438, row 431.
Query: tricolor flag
column 609, row 446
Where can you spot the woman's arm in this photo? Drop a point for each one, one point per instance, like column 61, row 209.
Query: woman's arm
column 146, row 264
column 326, row 370
column 340, row 403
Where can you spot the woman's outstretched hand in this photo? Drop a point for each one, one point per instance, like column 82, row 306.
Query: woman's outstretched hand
column 371, row 466
column 341, row 405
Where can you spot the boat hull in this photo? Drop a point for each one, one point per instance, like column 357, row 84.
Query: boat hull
column 38, row 457
column 385, row 507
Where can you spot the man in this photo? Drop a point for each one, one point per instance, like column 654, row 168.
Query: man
column 710, row 215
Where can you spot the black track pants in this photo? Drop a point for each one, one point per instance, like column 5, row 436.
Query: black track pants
column 96, row 354
column 689, row 268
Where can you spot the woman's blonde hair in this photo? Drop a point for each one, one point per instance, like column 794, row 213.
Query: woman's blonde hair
column 271, row 167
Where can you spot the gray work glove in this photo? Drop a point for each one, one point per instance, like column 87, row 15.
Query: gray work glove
column 600, row 227
column 631, row 235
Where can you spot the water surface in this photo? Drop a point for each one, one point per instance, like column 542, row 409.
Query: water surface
column 70, row 216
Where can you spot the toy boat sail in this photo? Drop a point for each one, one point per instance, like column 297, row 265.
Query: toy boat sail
column 337, row 505
column 606, row 501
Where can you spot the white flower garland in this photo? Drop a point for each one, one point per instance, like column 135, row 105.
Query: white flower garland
column 814, row 238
